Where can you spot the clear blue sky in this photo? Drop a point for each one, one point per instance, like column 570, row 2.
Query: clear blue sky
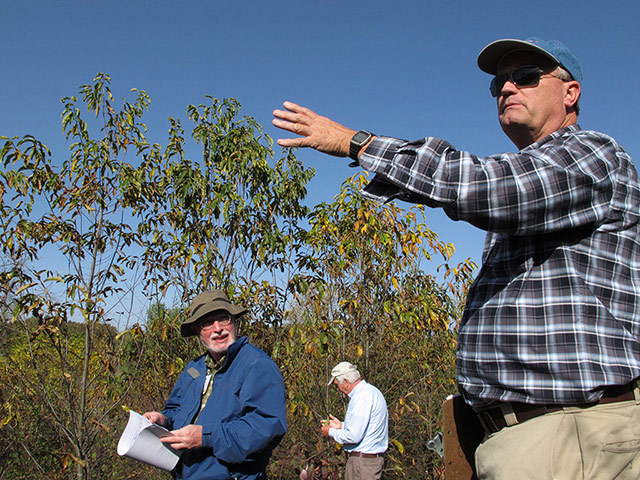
column 401, row 68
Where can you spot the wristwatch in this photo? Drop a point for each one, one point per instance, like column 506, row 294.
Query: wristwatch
column 357, row 142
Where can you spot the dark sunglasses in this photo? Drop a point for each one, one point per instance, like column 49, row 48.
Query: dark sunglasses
column 526, row 76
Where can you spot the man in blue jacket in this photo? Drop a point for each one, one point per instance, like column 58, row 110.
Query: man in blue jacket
column 227, row 410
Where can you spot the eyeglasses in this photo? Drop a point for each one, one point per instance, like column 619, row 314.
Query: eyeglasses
column 525, row 76
column 208, row 322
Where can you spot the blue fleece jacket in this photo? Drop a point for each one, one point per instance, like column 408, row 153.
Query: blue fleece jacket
column 243, row 421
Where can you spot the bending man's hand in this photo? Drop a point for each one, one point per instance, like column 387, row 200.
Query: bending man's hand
column 317, row 132
column 185, row 437
column 333, row 423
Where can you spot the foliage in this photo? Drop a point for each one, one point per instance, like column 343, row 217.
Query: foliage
column 82, row 240
column 369, row 302
column 121, row 217
column 67, row 246
column 227, row 220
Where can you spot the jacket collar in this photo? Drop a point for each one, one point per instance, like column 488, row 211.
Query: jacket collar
column 232, row 352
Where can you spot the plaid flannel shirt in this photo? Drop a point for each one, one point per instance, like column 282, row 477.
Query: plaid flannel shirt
column 554, row 314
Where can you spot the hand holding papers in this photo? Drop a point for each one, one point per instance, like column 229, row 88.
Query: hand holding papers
column 141, row 441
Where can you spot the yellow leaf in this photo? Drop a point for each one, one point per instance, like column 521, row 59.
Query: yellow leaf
column 398, row 445
column 24, row 287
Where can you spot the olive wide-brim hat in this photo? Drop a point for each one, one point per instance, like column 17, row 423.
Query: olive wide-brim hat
column 205, row 303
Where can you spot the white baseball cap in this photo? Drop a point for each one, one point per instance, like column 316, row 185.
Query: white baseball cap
column 341, row 369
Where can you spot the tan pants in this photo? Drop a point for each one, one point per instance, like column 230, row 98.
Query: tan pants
column 596, row 443
column 360, row 468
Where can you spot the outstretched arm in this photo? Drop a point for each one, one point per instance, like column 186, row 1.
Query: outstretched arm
column 317, row 132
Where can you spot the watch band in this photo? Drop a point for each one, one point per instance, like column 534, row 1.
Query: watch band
column 357, row 142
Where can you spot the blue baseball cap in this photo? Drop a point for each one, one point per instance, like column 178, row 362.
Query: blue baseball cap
column 492, row 54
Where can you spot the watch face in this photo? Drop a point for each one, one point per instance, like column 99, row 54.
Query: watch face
column 360, row 137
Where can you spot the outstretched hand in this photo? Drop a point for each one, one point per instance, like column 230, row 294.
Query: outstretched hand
column 317, row 132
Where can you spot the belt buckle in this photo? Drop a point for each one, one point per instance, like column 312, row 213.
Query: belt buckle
column 508, row 414
column 488, row 423
column 504, row 411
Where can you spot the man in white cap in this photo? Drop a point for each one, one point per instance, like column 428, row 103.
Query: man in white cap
column 364, row 433
column 549, row 343
column 227, row 409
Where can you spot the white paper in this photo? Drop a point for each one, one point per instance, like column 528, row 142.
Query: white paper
column 141, row 441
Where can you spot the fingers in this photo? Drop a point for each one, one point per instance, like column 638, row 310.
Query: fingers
column 292, row 142
column 178, row 442
column 293, row 112
column 293, row 107
column 155, row 417
column 334, row 422
column 316, row 131
column 293, row 120
column 172, row 440
column 186, row 437
column 295, row 117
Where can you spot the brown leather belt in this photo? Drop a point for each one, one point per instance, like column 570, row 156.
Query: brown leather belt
column 495, row 418
column 365, row 455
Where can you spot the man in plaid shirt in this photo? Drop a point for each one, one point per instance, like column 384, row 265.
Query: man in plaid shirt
column 549, row 344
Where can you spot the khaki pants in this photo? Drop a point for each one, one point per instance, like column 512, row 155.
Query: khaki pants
column 360, row 468
column 596, row 443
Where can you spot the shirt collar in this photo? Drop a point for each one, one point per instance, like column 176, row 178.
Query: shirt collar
column 558, row 133
column 357, row 387
column 212, row 365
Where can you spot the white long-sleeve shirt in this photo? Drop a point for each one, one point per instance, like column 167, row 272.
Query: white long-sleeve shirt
column 366, row 425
